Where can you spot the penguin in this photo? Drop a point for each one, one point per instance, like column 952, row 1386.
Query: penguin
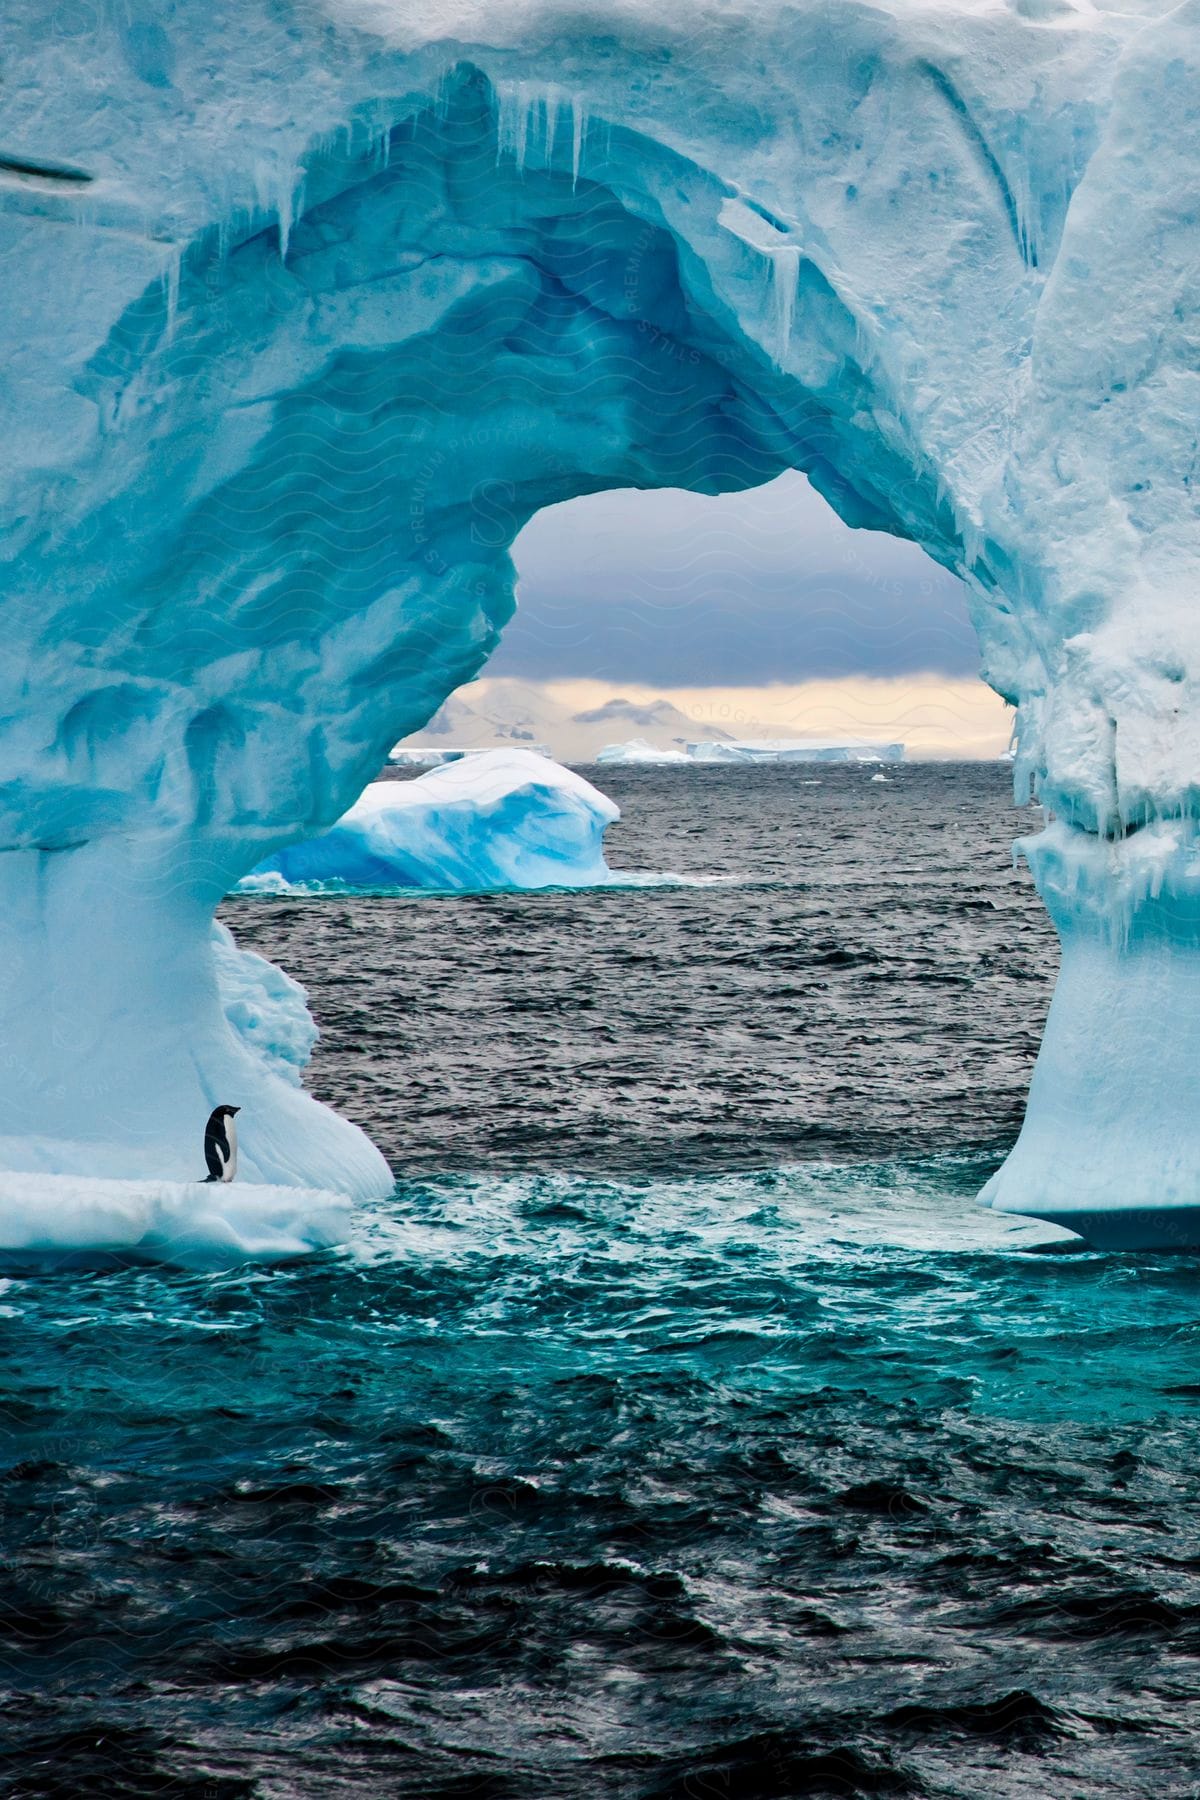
column 220, row 1144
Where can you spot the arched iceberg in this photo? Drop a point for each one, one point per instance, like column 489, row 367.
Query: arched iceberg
column 502, row 819
column 323, row 300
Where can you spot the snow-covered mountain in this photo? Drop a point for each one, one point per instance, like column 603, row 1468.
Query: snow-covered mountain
column 491, row 713
column 669, row 726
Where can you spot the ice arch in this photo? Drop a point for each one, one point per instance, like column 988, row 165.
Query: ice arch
column 311, row 305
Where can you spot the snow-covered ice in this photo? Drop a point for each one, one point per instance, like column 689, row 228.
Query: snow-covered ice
column 310, row 307
column 266, row 1008
column 46, row 1218
column 423, row 756
column 637, row 750
column 501, row 820
column 1111, row 1141
column 795, row 750
column 757, row 750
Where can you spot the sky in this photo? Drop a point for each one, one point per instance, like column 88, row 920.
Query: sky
column 933, row 716
column 690, row 590
column 747, row 609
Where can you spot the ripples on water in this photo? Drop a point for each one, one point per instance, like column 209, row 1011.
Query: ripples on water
column 680, row 1428
column 859, row 973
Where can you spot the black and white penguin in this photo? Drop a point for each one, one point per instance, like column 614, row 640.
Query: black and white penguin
column 220, row 1144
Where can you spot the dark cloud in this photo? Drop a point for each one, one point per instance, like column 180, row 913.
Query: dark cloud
column 676, row 589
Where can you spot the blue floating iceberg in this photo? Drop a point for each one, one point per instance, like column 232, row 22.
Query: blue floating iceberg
column 502, row 819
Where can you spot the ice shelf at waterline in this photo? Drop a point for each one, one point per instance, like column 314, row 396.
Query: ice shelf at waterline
column 756, row 750
column 48, row 1219
column 311, row 305
column 795, row 750
column 503, row 819
column 637, row 750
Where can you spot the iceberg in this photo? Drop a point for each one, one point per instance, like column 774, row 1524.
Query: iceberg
column 795, row 750
column 637, row 750
column 345, row 291
column 756, row 750
column 49, row 1220
column 1110, row 1146
column 497, row 820
column 266, row 1010
column 419, row 756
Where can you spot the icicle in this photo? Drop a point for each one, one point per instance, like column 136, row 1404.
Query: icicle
column 785, row 278
column 280, row 193
column 291, row 206
column 528, row 120
column 521, row 135
column 579, row 125
column 512, row 124
column 285, row 219
column 551, row 103
column 170, row 280
column 506, row 135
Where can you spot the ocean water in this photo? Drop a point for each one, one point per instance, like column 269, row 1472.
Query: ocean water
column 680, row 1428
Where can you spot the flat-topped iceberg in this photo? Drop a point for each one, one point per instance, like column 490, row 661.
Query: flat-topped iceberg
column 499, row 820
column 637, row 750
column 795, row 750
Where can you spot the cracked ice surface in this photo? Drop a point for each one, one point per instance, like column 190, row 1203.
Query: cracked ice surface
column 313, row 305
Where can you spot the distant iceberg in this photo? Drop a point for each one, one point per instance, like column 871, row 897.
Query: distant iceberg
column 426, row 756
column 795, row 750
column 637, row 750
column 756, row 750
column 502, row 819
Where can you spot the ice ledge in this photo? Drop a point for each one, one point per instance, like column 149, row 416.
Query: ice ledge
column 1127, row 887
column 193, row 1225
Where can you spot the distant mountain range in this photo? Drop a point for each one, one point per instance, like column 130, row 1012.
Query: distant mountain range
column 659, row 715
column 506, row 711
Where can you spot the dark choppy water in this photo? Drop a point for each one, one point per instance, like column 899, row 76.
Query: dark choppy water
column 859, row 973
column 680, row 1429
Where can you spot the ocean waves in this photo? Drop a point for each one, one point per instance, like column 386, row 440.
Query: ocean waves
column 808, row 1480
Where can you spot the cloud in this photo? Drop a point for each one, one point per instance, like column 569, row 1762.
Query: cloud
column 936, row 716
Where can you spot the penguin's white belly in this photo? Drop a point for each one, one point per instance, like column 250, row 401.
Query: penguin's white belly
column 230, row 1169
